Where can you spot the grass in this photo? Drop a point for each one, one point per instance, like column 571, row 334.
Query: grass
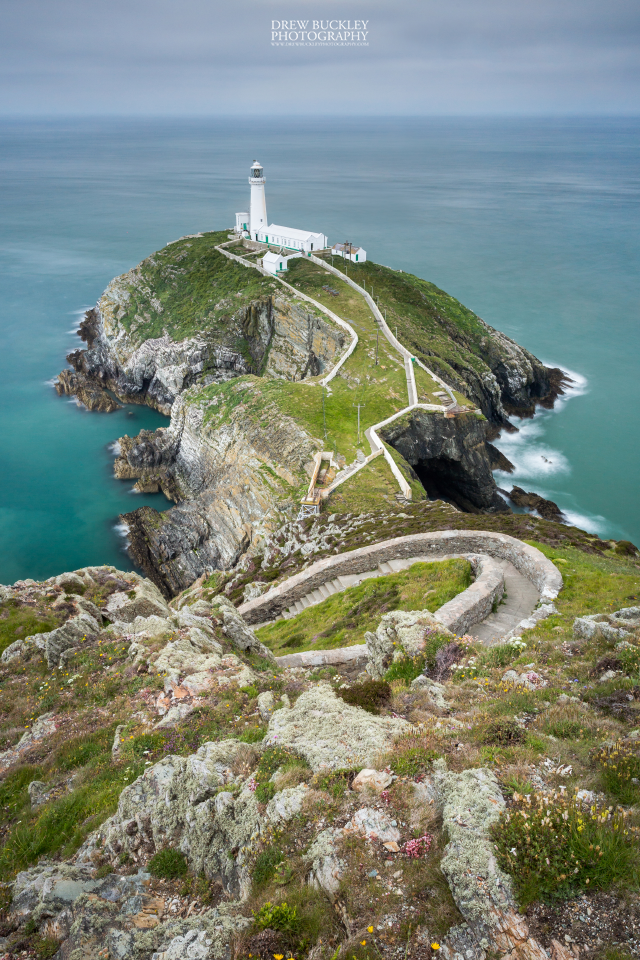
column 168, row 864
column 373, row 485
column 343, row 619
column 188, row 288
column 18, row 622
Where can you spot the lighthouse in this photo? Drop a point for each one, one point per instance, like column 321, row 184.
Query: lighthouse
column 258, row 207
column 253, row 225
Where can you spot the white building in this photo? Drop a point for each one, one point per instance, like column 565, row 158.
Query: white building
column 349, row 252
column 292, row 239
column 274, row 262
column 255, row 226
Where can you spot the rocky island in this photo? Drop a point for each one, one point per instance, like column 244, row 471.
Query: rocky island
column 356, row 708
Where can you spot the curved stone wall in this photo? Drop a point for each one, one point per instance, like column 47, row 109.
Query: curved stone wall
column 529, row 561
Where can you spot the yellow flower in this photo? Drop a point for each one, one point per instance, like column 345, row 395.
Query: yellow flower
column 370, row 929
column 363, row 943
column 278, row 956
column 435, row 946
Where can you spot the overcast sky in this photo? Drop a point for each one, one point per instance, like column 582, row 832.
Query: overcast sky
column 195, row 57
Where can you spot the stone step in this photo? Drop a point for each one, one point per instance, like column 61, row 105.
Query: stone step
column 398, row 565
column 385, row 567
column 324, row 590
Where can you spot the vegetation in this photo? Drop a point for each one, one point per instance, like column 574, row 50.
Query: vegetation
column 554, row 846
column 18, row 621
column 370, row 695
column 168, row 864
column 189, row 287
column 343, row 619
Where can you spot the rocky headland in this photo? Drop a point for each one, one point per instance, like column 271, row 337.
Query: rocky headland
column 236, row 357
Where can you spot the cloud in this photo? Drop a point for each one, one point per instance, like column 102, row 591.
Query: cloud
column 197, row 57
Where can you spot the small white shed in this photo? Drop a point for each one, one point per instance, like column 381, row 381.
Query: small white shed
column 274, row 263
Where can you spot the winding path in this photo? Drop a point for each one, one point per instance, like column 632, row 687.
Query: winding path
column 377, row 446
column 531, row 580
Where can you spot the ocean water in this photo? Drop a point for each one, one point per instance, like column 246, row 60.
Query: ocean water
column 531, row 223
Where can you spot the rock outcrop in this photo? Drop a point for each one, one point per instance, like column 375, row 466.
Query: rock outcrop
column 401, row 634
column 449, row 456
column 329, row 733
column 232, row 475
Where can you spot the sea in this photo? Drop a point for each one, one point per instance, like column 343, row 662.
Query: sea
column 532, row 223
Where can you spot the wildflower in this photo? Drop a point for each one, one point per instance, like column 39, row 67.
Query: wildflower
column 435, row 946
column 363, row 943
column 278, row 956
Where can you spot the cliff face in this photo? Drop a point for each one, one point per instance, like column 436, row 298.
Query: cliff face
column 233, row 477
column 450, row 457
column 188, row 315
column 274, row 336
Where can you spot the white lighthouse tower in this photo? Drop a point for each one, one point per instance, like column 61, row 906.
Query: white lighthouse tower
column 258, row 207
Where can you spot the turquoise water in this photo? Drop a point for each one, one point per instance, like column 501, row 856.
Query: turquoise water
column 531, row 223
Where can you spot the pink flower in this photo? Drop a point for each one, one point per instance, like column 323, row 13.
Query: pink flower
column 419, row 847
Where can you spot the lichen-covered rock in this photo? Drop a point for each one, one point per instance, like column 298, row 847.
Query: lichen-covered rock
column 330, row 733
column 177, row 803
column 471, row 803
column 266, row 704
column 144, row 600
column 327, row 869
column 42, row 728
column 374, row 824
column 608, row 626
column 286, row 804
column 400, row 634
column 238, row 632
column 435, row 690
column 55, row 642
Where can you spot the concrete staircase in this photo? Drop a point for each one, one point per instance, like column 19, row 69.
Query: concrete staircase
column 520, row 602
column 338, row 584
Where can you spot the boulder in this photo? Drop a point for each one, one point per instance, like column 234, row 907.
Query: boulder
column 38, row 793
column 377, row 780
column 331, row 734
column 266, row 704
column 400, row 634
column 176, row 802
column 327, row 869
column 435, row 690
column 608, row 626
column 43, row 727
column 238, row 631
column 143, row 600
column 55, row 642
column 471, row 802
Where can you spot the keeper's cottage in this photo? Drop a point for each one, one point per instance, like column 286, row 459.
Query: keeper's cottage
column 253, row 225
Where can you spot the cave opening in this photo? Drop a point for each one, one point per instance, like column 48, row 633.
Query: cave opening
column 445, row 479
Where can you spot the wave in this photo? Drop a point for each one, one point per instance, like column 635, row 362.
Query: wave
column 592, row 524
column 115, row 448
column 122, row 530
column 51, row 383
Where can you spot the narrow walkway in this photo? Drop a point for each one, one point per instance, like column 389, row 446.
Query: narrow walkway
column 377, row 447
column 520, row 600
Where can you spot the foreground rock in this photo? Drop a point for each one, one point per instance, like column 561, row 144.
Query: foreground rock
column 401, row 634
column 329, row 733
